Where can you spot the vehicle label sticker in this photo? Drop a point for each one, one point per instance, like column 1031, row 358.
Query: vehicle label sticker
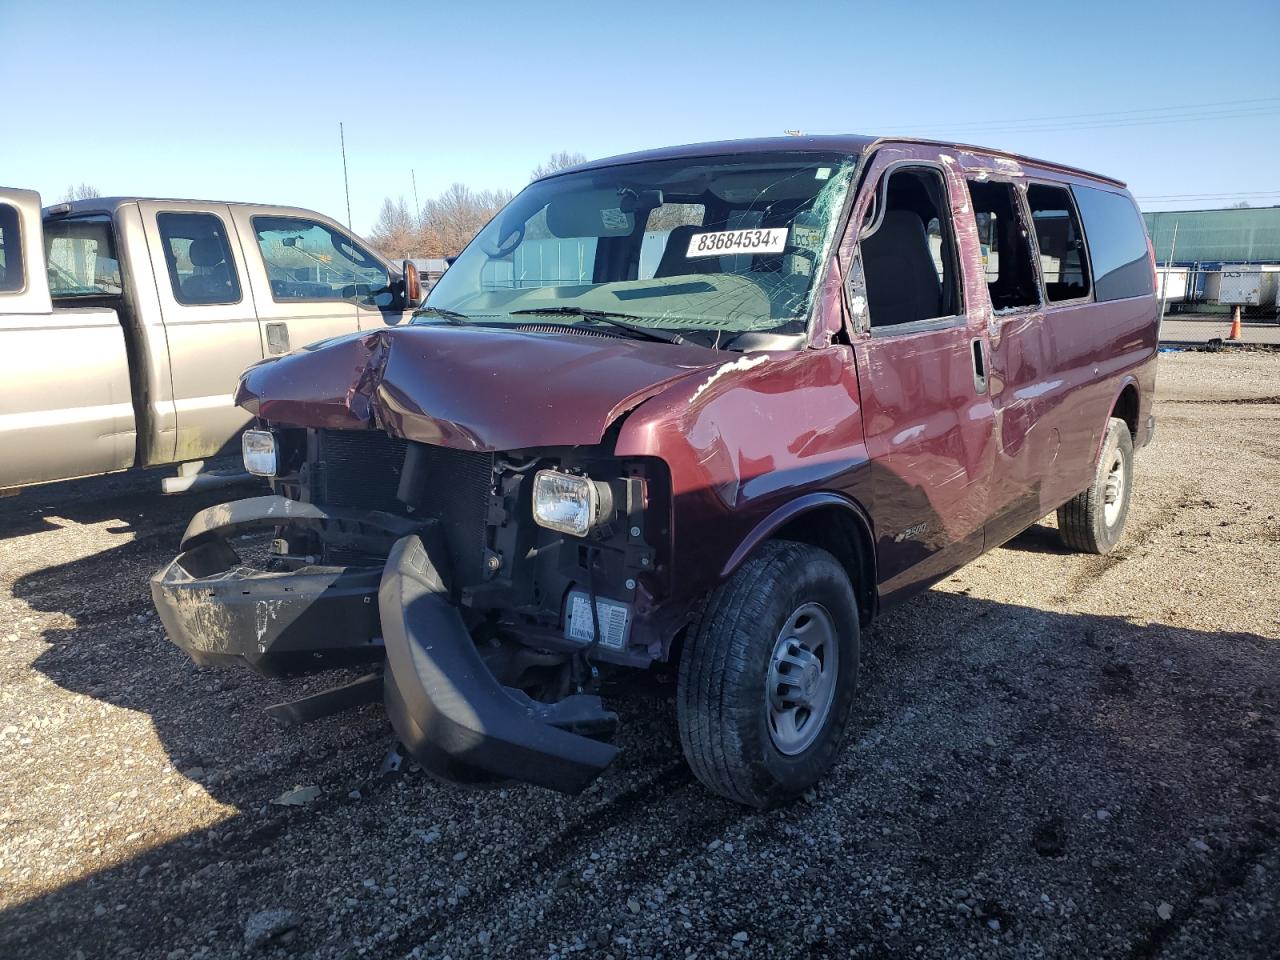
column 613, row 621
column 615, row 220
column 727, row 242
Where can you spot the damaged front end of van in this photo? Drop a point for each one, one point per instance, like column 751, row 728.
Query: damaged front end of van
column 468, row 531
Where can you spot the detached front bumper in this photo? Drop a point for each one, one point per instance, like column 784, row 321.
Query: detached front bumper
column 219, row 611
column 445, row 704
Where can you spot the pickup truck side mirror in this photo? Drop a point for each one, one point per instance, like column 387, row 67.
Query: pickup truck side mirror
column 412, row 286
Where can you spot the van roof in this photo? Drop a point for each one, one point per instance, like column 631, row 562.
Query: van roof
column 848, row 143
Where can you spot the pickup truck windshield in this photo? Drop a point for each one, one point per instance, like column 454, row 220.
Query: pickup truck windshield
column 729, row 244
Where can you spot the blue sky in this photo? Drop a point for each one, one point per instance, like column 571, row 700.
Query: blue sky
column 242, row 101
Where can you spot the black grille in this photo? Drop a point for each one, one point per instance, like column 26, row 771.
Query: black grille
column 362, row 469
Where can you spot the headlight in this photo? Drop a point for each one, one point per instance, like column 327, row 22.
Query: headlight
column 569, row 503
column 261, row 452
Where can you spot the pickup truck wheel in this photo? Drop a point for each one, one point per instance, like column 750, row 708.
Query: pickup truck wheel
column 767, row 681
column 1093, row 521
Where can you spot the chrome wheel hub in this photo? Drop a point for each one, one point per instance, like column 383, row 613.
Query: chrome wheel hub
column 802, row 678
column 1113, row 491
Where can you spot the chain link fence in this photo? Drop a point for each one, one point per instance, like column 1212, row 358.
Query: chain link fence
column 1213, row 291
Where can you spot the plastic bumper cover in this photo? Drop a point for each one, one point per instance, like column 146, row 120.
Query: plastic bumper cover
column 450, row 711
column 217, row 610
column 445, row 704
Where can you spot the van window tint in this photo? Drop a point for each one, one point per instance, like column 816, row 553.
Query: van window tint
column 201, row 268
column 82, row 258
column 1005, row 246
column 11, row 275
column 1117, row 244
column 909, row 262
column 1062, row 259
column 306, row 260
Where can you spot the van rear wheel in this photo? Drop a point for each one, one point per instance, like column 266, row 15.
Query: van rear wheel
column 1093, row 521
column 767, row 680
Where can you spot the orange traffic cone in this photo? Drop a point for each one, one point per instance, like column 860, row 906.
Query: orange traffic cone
column 1235, row 324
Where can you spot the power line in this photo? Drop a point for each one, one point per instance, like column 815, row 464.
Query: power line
column 1102, row 113
column 1259, row 194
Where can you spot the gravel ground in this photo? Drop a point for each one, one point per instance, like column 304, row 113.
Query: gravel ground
column 1054, row 755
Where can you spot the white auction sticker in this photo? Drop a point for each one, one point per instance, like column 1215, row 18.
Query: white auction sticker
column 728, row 242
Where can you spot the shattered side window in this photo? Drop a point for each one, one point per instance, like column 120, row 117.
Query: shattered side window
column 1059, row 239
column 909, row 258
column 1006, row 246
column 12, row 278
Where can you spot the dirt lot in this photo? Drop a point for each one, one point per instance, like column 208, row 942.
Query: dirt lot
column 1054, row 755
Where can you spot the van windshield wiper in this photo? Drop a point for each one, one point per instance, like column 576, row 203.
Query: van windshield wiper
column 453, row 316
column 609, row 317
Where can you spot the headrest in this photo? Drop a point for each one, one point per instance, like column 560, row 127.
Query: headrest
column 901, row 227
column 673, row 261
column 206, row 252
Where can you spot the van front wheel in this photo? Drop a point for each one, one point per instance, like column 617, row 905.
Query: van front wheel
column 1093, row 520
column 767, row 680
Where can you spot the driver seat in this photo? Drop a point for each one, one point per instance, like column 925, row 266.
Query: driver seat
column 675, row 263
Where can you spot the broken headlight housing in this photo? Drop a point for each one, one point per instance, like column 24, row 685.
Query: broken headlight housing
column 569, row 503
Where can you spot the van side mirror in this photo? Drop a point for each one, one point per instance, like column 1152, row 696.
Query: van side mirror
column 412, row 285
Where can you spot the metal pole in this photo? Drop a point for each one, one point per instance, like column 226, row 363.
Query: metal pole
column 1168, row 262
column 417, row 207
column 346, row 186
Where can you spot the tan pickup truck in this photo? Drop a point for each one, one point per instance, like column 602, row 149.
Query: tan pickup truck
column 125, row 322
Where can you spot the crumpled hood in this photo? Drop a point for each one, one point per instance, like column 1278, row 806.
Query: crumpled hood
column 466, row 387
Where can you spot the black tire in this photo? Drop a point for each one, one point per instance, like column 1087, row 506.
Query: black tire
column 1082, row 521
column 722, row 704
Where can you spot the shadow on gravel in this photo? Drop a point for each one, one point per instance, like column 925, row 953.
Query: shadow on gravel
column 128, row 497
column 1067, row 702
column 1038, row 538
column 1017, row 778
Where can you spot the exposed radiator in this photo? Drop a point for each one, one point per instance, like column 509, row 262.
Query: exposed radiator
column 361, row 469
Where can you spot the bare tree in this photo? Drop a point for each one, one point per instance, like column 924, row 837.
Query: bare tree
column 84, row 191
column 395, row 234
column 1240, row 205
column 449, row 221
column 557, row 161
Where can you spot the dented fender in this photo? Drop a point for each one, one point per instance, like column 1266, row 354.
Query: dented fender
column 744, row 439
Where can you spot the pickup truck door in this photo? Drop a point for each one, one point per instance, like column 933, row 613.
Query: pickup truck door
column 209, row 318
column 311, row 279
column 921, row 360
column 66, row 408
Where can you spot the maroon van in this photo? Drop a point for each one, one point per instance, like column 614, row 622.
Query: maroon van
column 717, row 404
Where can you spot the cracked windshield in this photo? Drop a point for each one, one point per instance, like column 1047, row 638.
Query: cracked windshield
column 719, row 245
